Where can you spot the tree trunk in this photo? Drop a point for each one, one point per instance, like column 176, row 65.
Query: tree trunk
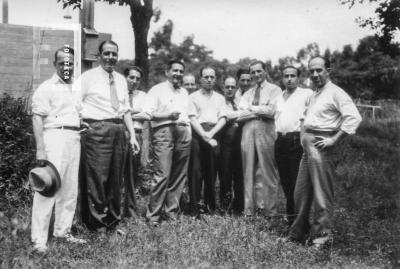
column 140, row 18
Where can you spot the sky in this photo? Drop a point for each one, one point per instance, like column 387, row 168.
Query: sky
column 232, row 29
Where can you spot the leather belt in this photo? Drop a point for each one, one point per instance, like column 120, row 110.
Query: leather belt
column 320, row 132
column 117, row 121
column 280, row 134
column 72, row 128
column 171, row 124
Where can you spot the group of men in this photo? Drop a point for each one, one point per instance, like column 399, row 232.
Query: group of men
column 248, row 136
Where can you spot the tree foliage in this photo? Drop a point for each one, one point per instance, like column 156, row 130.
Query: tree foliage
column 141, row 14
column 386, row 22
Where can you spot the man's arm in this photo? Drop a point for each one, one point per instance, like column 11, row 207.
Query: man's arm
column 198, row 128
column 169, row 115
column 220, row 124
column 131, row 130
column 141, row 117
column 37, row 122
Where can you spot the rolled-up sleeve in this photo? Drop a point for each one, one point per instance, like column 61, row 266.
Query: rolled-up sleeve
column 223, row 111
column 351, row 118
column 41, row 101
column 192, row 108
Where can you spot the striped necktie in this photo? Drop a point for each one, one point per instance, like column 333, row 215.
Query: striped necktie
column 256, row 100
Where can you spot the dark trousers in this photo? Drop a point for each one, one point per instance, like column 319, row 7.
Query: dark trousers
column 171, row 150
column 202, row 169
column 102, row 160
column 288, row 153
column 131, row 179
column 230, row 169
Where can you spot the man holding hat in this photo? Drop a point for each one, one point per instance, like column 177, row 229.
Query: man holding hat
column 56, row 129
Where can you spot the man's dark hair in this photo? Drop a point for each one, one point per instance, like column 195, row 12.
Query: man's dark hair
column 133, row 67
column 258, row 62
column 175, row 61
column 64, row 49
column 292, row 67
column 242, row 71
column 107, row 42
column 327, row 62
column 207, row 67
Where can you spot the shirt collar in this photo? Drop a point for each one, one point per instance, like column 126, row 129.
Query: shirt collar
column 172, row 86
column 318, row 91
column 57, row 80
column 105, row 73
column 204, row 92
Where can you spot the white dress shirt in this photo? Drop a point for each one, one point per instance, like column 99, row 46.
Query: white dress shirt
column 96, row 99
column 332, row 109
column 163, row 98
column 207, row 107
column 290, row 112
column 138, row 103
column 268, row 96
column 58, row 102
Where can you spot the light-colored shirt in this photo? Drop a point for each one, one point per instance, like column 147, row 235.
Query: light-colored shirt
column 96, row 98
column 332, row 109
column 207, row 107
column 231, row 112
column 164, row 98
column 58, row 102
column 238, row 94
column 268, row 95
column 138, row 103
column 290, row 112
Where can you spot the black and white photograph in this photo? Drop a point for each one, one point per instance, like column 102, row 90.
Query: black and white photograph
column 200, row 134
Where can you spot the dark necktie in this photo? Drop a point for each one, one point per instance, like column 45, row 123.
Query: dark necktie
column 256, row 100
column 113, row 93
column 131, row 99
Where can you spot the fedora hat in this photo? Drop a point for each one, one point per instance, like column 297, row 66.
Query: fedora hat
column 45, row 178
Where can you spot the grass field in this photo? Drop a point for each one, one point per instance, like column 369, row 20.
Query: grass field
column 366, row 232
column 216, row 242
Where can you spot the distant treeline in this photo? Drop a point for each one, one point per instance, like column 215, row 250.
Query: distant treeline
column 370, row 71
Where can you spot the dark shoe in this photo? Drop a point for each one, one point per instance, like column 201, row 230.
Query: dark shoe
column 288, row 239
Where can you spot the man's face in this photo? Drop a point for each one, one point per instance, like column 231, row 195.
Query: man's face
column 244, row 82
column 318, row 73
column 208, row 79
column 133, row 79
column 258, row 74
column 290, row 78
column 189, row 83
column 64, row 65
column 175, row 74
column 229, row 88
column 109, row 57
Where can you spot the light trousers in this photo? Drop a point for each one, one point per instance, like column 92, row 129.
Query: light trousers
column 314, row 186
column 171, row 150
column 259, row 167
column 63, row 151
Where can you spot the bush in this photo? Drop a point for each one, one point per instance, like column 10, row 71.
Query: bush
column 16, row 152
column 368, row 186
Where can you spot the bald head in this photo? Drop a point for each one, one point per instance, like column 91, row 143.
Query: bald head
column 189, row 83
column 230, row 87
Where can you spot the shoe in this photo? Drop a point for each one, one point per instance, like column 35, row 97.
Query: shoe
column 288, row 239
column 40, row 249
column 321, row 241
column 72, row 239
column 120, row 231
column 154, row 223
